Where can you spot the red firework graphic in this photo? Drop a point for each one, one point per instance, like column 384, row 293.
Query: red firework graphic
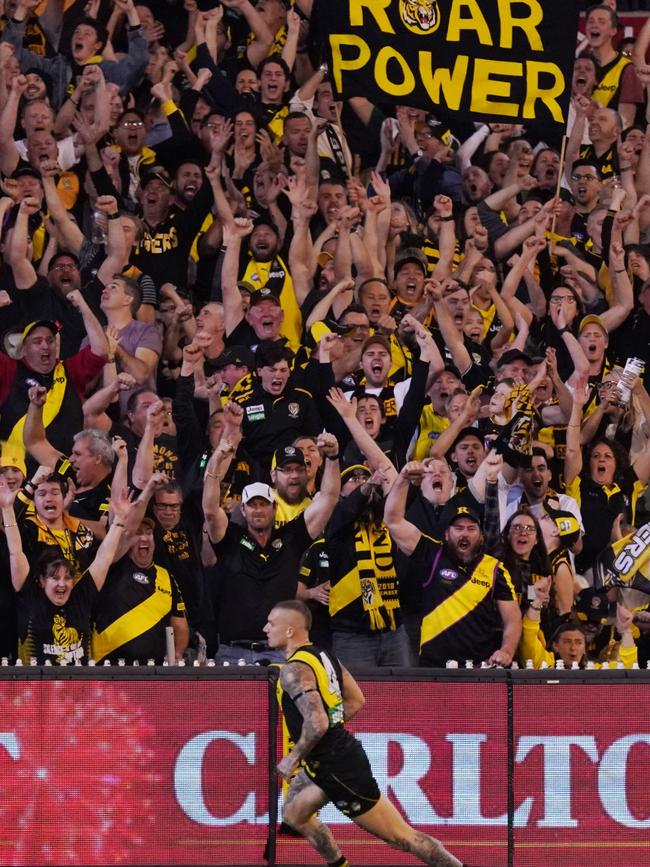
column 77, row 774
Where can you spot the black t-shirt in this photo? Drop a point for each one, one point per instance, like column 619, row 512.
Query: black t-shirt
column 315, row 570
column 92, row 505
column 251, row 579
column 166, row 457
column 177, row 552
column 42, row 301
column 58, row 633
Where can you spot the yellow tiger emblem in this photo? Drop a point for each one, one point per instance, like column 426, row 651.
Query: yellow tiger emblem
column 64, row 636
column 420, row 16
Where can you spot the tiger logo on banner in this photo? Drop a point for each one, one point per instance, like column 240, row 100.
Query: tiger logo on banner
column 420, row 16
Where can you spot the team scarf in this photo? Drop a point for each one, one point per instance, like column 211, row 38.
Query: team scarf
column 377, row 575
column 625, row 563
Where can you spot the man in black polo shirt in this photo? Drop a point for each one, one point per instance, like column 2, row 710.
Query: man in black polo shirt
column 469, row 605
column 257, row 565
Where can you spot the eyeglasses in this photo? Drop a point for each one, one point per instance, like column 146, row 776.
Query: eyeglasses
column 357, row 477
column 66, row 267
column 579, row 178
column 523, row 528
column 215, row 127
column 558, row 299
column 131, row 124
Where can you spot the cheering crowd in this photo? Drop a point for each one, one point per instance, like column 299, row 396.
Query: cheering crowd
column 261, row 344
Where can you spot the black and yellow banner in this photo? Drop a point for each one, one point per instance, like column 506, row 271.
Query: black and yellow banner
column 494, row 60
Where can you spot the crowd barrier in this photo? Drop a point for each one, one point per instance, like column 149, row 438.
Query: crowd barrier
column 175, row 767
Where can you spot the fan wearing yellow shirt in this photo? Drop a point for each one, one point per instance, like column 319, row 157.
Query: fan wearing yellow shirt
column 289, row 478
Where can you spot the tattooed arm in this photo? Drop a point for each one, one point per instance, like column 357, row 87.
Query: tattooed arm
column 298, row 681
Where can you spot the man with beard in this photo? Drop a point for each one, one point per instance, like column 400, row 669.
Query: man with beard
column 603, row 131
column 469, row 604
column 289, row 477
column 264, row 269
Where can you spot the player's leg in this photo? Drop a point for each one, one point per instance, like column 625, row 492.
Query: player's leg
column 302, row 801
column 385, row 822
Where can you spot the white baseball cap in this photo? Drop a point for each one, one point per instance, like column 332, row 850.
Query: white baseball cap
column 257, row 489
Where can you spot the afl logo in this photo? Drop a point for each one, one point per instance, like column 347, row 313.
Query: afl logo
column 420, row 16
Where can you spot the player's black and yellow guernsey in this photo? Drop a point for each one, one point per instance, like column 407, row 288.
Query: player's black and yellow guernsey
column 327, row 672
column 337, row 764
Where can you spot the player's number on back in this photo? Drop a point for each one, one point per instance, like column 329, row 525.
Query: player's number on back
column 332, row 679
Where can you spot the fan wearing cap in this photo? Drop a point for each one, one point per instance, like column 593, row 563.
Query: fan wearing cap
column 257, row 564
column 275, row 413
column 234, row 363
column 408, row 284
column 262, row 320
column 65, row 381
column 263, row 268
column 570, row 641
column 289, row 477
column 467, row 597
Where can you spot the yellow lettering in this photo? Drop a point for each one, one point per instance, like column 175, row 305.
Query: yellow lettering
column 475, row 22
column 385, row 55
column 534, row 91
column 450, row 82
column 377, row 9
column 528, row 25
column 337, row 41
column 484, row 87
column 156, row 247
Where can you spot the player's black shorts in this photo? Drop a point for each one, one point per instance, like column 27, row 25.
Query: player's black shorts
column 346, row 778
